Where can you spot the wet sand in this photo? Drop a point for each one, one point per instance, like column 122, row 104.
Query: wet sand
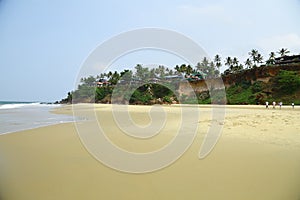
column 256, row 157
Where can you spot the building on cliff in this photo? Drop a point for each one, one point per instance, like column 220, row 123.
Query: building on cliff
column 287, row 59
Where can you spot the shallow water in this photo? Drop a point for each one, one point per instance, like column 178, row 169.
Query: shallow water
column 17, row 116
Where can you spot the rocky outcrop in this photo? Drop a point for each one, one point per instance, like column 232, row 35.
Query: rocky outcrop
column 189, row 88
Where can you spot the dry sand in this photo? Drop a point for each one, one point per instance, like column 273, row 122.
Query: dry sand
column 257, row 157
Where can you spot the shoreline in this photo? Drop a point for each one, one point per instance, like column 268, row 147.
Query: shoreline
column 67, row 109
column 33, row 128
column 21, row 117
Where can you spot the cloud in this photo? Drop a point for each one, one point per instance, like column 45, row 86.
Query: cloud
column 290, row 41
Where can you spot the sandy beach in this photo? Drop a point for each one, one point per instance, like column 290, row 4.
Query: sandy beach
column 256, row 157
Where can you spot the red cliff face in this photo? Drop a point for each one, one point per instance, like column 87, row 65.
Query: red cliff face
column 186, row 88
column 263, row 73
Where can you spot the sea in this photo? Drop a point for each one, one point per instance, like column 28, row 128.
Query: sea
column 18, row 116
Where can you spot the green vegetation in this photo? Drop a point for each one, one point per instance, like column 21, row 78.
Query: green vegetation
column 140, row 86
column 286, row 82
column 240, row 94
column 285, row 86
column 160, row 85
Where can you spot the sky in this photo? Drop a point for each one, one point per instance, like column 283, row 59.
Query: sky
column 44, row 43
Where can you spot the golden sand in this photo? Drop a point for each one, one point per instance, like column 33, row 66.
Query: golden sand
column 257, row 157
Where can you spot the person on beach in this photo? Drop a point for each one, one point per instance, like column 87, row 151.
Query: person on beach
column 267, row 104
column 280, row 104
column 293, row 105
column 274, row 104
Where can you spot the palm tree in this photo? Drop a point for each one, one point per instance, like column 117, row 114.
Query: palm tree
column 162, row 71
column 189, row 69
column 126, row 75
column 255, row 57
column 171, row 72
column 183, row 68
column 203, row 65
column 177, row 68
column 152, row 73
column 142, row 72
column 114, row 78
column 109, row 74
column 271, row 60
column 253, row 54
column 240, row 67
column 283, row 52
column 236, row 66
column 228, row 62
column 217, row 60
column 259, row 58
column 167, row 71
column 235, row 61
column 248, row 63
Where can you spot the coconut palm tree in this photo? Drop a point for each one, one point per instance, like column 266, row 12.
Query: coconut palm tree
column 162, row 71
column 189, row 69
column 235, row 61
column 152, row 73
column 183, row 68
column 177, row 69
column 203, row 65
column 272, row 55
column 271, row 60
column 210, row 71
column 253, row 54
column 240, row 67
column 228, row 62
column 217, row 60
column 248, row 63
column 109, row 74
column 142, row 72
column 255, row 57
column 171, row 72
column 259, row 58
column 283, row 52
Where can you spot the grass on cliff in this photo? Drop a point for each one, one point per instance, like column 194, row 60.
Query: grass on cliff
column 284, row 87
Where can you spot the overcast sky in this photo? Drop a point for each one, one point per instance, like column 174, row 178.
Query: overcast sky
column 43, row 43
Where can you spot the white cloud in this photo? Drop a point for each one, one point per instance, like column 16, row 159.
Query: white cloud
column 290, row 41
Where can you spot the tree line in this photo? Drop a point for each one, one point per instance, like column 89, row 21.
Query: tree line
column 88, row 91
column 208, row 68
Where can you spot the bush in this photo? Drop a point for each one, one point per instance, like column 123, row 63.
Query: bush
column 167, row 99
column 257, row 87
column 102, row 92
column 238, row 95
column 287, row 81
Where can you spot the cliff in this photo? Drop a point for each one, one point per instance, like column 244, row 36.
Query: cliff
column 252, row 86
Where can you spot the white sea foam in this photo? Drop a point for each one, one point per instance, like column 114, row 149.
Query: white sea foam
column 22, row 105
column 22, row 116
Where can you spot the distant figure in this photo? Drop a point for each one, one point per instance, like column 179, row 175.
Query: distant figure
column 293, row 105
column 274, row 104
column 267, row 104
column 280, row 104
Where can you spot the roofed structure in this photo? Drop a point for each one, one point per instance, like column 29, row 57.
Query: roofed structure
column 287, row 59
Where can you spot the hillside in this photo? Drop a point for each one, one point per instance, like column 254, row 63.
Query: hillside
column 253, row 86
column 278, row 81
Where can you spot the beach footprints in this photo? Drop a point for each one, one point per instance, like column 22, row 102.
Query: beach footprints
column 95, row 138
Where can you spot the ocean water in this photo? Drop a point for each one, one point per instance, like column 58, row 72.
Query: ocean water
column 17, row 116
